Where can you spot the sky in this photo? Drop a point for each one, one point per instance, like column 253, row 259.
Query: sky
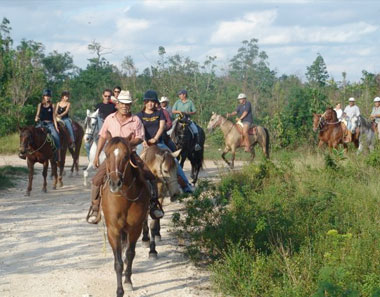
column 292, row 33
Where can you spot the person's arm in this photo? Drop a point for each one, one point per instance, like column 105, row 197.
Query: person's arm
column 192, row 110
column 37, row 118
column 174, row 109
column 158, row 134
column 234, row 113
column 101, row 143
column 55, row 119
column 243, row 115
column 66, row 110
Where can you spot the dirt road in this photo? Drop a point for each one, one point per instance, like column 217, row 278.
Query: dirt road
column 47, row 248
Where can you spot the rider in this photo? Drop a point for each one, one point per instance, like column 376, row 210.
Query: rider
column 168, row 125
column 339, row 111
column 164, row 103
column 122, row 123
column 153, row 120
column 375, row 114
column 62, row 113
column 45, row 114
column 185, row 106
column 349, row 112
column 244, row 113
column 115, row 94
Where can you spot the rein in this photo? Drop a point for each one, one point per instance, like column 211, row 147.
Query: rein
column 30, row 153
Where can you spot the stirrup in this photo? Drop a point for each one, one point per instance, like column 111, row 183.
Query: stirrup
column 155, row 210
column 197, row 147
column 91, row 213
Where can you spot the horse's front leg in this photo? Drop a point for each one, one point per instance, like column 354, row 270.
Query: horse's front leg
column 115, row 242
column 145, row 239
column 53, row 165
column 133, row 236
column 61, row 167
column 225, row 151
column 44, row 174
column 183, row 159
column 152, row 244
column 31, row 172
column 233, row 152
column 253, row 153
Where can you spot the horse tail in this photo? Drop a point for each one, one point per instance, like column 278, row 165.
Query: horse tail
column 267, row 142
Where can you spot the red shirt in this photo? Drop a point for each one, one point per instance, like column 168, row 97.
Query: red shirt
column 168, row 120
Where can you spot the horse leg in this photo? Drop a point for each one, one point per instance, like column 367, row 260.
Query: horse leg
column 54, row 173
column 145, row 238
column 31, row 172
column 233, row 152
column 158, row 229
column 133, row 236
column 152, row 244
column 44, row 174
column 253, row 153
column 114, row 239
column 225, row 151
column 62, row 167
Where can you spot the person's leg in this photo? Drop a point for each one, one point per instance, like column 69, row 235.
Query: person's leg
column 93, row 216
column 69, row 128
column 100, row 122
column 87, row 147
column 55, row 135
column 170, row 131
column 246, row 137
column 156, row 211
column 194, row 129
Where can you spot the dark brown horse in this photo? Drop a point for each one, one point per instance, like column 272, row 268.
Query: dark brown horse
column 162, row 164
column 78, row 134
column 330, row 129
column 36, row 146
column 125, row 203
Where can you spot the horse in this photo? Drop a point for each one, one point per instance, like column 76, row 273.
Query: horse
column 164, row 167
column 91, row 139
column 37, row 146
column 366, row 135
column 233, row 137
column 185, row 140
column 78, row 134
column 125, row 204
column 330, row 129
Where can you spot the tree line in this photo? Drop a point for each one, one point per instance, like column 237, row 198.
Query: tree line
column 282, row 103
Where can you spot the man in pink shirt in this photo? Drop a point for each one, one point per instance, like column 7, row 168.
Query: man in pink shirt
column 121, row 124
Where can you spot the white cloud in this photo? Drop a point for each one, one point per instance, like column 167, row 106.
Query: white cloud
column 163, row 4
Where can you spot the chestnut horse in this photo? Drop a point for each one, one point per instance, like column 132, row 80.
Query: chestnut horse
column 125, row 203
column 163, row 165
column 330, row 129
column 78, row 134
column 233, row 137
column 36, row 146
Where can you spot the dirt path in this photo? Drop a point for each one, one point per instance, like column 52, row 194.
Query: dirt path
column 47, row 248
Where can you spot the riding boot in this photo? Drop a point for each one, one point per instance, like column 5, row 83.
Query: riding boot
column 93, row 216
column 197, row 147
column 155, row 208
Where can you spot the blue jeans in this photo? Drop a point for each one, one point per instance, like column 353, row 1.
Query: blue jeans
column 69, row 128
column 87, row 147
column 193, row 128
column 54, row 133
column 180, row 171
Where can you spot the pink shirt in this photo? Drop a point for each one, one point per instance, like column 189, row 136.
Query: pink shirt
column 132, row 126
column 167, row 119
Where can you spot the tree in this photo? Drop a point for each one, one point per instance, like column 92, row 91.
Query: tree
column 58, row 66
column 317, row 74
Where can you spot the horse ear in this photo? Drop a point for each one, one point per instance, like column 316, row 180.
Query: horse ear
column 88, row 112
column 128, row 138
column 176, row 153
column 109, row 136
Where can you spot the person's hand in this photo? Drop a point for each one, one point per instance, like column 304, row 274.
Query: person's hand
column 237, row 119
column 152, row 141
column 145, row 144
column 36, row 119
column 96, row 161
column 56, row 128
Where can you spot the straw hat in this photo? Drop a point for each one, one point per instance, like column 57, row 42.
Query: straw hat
column 241, row 96
column 124, row 97
column 164, row 99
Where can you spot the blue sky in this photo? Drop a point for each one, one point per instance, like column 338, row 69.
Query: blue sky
column 345, row 33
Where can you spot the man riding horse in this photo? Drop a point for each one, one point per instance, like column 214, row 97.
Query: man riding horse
column 375, row 115
column 351, row 112
column 186, row 107
column 122, row 123
column 244, row 113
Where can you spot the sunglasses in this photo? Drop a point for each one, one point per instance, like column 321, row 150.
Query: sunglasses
column 116, row 91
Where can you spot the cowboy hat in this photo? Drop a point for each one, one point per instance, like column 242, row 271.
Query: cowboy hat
column 164, row 99
column 124, row 97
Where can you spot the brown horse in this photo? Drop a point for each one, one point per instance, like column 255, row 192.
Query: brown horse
column 36, row 146
column 78, row 134
column 125, row 203
column 233, row 137
column 162, row 164
column 330, row 129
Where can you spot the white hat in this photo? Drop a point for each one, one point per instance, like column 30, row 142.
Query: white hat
column 242, row 96
column 124, row 97
column 164, row 99
column 352, row 99
column 377, row 99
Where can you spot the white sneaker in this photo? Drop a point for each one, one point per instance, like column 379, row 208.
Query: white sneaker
column 197, row 147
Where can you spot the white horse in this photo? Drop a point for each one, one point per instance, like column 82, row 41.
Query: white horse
column 91, row 139
column 366, row 134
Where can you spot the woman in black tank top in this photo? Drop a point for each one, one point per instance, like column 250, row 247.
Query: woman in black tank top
column 62, row 112
column 45, row 114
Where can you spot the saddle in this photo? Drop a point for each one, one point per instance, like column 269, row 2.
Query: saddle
column 251, row 131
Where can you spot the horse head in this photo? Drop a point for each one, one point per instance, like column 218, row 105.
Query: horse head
column 317, row 121
column 26, row 141
column 118, row 159
column 215, row 121
column 91, row 126
column 355, row 123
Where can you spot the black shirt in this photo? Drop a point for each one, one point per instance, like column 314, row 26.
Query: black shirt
column 62, row 110
column 245, row 107
column 151, row 122
column 46, row 113
column 105, row 109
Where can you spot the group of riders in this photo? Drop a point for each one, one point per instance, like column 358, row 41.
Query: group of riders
column 153, row 125
column 352, row 113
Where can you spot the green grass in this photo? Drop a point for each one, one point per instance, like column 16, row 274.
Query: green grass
column 9, row 173
column 9, row 144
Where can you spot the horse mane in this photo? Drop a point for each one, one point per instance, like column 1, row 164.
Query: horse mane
column 153, row 150
column 117, row 140
column 334, row 115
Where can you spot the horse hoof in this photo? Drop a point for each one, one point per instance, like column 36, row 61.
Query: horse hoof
column 158, row 237
column 54, row 187
column 146, row 244
column 27, row 194
column 153, row 256
column 128, row 287
column 60, row 185
column 44, row 190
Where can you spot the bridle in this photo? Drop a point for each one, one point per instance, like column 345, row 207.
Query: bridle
column 122, row 176
column 30, row 141
column 90, row 128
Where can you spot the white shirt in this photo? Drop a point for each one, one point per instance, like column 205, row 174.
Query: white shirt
column 352, row 111
column 339, row 113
